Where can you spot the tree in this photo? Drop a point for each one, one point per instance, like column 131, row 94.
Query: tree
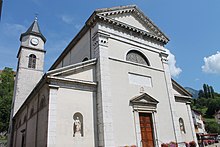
column 212, row 92
column 213, row 106
column 201, row 94
column 209, row 91
column 6, row 94
column 212, row 126
column 205, row 90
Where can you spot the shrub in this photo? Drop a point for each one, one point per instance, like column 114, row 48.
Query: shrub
column 192, row 144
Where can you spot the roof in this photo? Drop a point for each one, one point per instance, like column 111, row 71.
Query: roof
column 34, row 29
column 180, row 88
column 196, row 111
column 102, row 15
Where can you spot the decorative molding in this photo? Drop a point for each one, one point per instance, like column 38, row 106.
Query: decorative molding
column 29, row 48
column 100, row 38
column 57, row 82
column 183, row 99
column 71, row 67
column 179, row 88
column 164, row 56
column 144, row 102
column 103, row 15
column 137, row 64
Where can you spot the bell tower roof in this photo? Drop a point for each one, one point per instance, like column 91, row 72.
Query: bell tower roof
column 34, row 29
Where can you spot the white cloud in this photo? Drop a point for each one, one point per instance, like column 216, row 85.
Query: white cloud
column 67, row 19
column 70, row 21
column 13, row 29
column 212, row 64
column 174, row 70
column 78, row 26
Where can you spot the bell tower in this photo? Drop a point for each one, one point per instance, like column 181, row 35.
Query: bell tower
column 30, row 66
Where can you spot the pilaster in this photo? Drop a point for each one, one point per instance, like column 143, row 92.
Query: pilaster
column 104, row 101
column 175, row 119
column 51, row 136
column 191, row 122
column 137, row 128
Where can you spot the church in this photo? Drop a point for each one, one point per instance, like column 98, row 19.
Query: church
column 110, row 87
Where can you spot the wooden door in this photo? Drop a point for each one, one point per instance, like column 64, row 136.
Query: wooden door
column 146, row 126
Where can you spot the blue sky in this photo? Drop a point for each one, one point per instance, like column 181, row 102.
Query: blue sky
column 192, row 26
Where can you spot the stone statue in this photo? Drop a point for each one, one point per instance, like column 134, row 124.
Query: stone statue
column 77, row 127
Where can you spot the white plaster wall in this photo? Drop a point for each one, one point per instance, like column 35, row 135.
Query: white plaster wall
column 26, row 41
column 119, row 50
column 42, row 119
column 35, row 125
column 27, row 78
column 69, row 102
column 86, row 74
column 122, row 92
column 42, row 127
column 31, row 131
column 19, row 136
column 181, row 111
column 78, row 52
column 24, row 58
column 132, row 38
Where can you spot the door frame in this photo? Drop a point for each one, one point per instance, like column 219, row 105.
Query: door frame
column 138, row 129
column 144, row 103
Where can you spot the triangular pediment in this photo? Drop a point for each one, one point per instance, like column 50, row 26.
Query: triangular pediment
column 83, row 71
column 144, row 98
column 131, row 18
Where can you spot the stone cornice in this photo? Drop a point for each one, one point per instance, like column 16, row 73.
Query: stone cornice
column 103, row 15
column 180, row 98
column 71, row 67
column 128, row 27
column 30, row 48
column 179, row 87
column 57, row 80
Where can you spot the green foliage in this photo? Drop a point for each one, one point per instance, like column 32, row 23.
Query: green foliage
column 208, row 102
column 213, row 106
column 212, row 126
column 6, row 94
column 207, row 92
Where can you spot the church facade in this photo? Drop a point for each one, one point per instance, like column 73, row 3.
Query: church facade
column 110, row 87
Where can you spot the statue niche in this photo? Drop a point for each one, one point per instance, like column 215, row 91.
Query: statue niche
column 77, row 124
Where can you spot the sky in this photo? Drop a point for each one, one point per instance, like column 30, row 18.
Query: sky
column 193, row 28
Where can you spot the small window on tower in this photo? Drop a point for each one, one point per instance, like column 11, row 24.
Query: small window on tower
column 32, row 61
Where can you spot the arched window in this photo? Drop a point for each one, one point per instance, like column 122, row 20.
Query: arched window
column 85, row 59
column 137, row 57
column 32, row 61
column 182, row 126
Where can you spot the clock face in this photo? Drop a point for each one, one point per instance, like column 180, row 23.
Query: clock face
column 34, row 41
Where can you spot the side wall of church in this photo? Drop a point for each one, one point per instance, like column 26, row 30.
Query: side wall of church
column 187, row 119
column 70, row 104
column 31, row 121
column 78, row 53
